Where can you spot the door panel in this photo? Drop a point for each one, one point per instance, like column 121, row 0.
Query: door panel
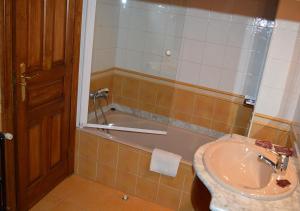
column 56, row 140
column 59, row 31
column 35, row 33
column 34, row 152
column 43, row 61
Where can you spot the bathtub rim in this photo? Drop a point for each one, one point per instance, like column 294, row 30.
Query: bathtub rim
column 96, row 132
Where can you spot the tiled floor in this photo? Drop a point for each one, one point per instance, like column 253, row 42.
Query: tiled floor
column 78, row 194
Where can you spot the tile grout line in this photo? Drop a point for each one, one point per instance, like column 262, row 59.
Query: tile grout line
column 117, row 162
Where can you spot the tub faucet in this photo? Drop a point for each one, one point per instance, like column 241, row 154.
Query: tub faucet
column 101, row 93
column 280, row 166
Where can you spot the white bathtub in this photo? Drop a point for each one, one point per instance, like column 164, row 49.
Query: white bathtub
column 179, row 141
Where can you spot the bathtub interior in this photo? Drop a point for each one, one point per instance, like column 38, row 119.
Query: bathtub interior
column 177, row 140
column 129, row 120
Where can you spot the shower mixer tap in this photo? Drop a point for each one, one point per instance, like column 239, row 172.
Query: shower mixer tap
column 101, row 93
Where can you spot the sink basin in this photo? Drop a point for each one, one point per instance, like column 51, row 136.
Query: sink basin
column 235, row 166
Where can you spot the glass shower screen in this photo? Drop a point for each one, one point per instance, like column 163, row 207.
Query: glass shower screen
column 134, row 65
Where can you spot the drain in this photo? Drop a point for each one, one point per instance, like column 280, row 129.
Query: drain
column 125, row 197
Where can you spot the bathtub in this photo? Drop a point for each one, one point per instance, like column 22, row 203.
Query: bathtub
column 177, row 140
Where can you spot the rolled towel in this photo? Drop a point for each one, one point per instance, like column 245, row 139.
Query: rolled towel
column 164, row 162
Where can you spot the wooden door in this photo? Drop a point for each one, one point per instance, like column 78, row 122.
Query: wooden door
column 43, row 50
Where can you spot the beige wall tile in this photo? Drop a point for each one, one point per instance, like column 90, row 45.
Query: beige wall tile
column 240, row 131
column 181, row 116
column 189, row 177
column 165, row 96
column 126, row 182
column 220, row 126
column 243, row 116
column 146, row 189
column 186, row 203
column 282, row 138
column 87, row 168
column 183, row 101
column 168, row 197
column 130, row 88
column 128, row 159
column 88, row 145
column 164, row 99
column 225, row 111
column 174, row 182
column 146, row 107
column 204, row 106
column 144, row 166
column 117, row 85
column 201, row 121
column 106, row 175
column 263, row 132
column 148, row 92
column 108, row 153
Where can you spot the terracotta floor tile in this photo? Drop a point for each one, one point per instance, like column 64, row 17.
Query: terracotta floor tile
column 79, row 194
column 47, row 203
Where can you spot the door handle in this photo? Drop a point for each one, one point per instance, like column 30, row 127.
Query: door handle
column 24, row 76
column 29, row 77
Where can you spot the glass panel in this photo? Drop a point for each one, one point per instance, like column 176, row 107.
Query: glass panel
column 185, row 63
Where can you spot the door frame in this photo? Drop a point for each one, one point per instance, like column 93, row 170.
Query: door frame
column 7, row 104
column 7, row 75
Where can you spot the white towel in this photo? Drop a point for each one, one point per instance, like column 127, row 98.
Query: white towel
column 164, row 162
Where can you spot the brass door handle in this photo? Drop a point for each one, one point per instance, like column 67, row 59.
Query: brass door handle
column 23, row 74
column 29, row 77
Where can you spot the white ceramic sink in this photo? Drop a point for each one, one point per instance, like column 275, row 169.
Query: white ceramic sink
column 235, row 165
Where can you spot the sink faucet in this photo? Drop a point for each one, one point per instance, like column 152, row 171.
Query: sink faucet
column 280, row 166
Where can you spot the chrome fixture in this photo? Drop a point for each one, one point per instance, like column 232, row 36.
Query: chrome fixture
column 100, row 94
column 280, row 166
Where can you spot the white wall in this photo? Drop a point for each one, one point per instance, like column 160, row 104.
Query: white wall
column 223, row 51
column 146, row 31
column 280, row 88
column 105, row 34
column 211, row 49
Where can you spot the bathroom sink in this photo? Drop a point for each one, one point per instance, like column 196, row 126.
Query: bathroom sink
column 235, row 165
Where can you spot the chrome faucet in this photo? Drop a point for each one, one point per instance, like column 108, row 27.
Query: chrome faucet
column 101, row 93
column 280, row 166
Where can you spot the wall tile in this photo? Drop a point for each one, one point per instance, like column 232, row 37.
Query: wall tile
column 263, row 132
column 173, row 182
column 183, row 101
column 225, row 111
column 189, row 72
column 204, row 106
column 87, row 168
column 128, row 159
column 108, row 154
column 195, row 28
column 148, row 92
column 214, row 55
column 210, row 77
column 193, row 51
column 217, row 31
column 186, row 203
column 126, row 182
column 88, row 145
column 168, row 197
column 144, row 166
column 106, row 175
column 130, row 88
column 146, row 189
